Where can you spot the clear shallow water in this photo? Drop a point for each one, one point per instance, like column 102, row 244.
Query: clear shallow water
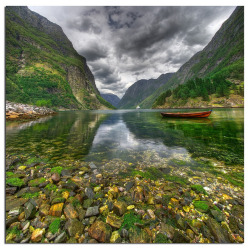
column 134, row 136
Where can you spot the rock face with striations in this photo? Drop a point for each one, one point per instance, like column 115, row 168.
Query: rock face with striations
column 42, row 65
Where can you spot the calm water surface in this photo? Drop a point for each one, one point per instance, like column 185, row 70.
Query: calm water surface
column 134, row 136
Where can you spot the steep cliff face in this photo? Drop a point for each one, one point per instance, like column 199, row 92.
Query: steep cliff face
column 42, row 67
column 111, row 98
column 224, row 54
column 141, row 89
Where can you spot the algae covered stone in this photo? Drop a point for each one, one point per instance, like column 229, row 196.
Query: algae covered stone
column 100, row 231
column 114, row 220
column 74, row 226
column 120, row 207
column 56, row 209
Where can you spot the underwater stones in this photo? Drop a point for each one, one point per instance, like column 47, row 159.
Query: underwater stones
column 100, row 231
column 130, row 207
column 114, row 221
column 89, row 192
column 66, row 173
column 120, row 207
column 174, row 201
column 113, row 192
column 70, row 212
column 58, row 200
column 98, row 176
column 22, row 168
column 115, row 237
column 70, row 185
column 97, row 189
column 10, row 190
column 61, row 238
column 74, row 226
column 27, row 190
column 124, row 233
column 138, row 235
column 168, row 230
column 216, row 230
column 190, row 233
column 36, row 182
column 151, row 214
column 138, row 195
column 92, row 166
column 233, row 224
column 201, row 206
column 56, row 209
column 217, row 215
column 103, row 209
column 87, row 203
column 15, row 211
column 56, row 177
column 30, row 210
column 10, row 221
column 65, row 194
column 92, row 211
column 180, row 237
column 25, row 225
column 37, row 235
column 13, row 203
column 151, row 200
column 129, row 185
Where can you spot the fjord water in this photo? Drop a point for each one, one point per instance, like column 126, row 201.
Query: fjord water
column 130, row 137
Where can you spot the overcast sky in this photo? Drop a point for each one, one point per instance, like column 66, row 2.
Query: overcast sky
column 126, row 44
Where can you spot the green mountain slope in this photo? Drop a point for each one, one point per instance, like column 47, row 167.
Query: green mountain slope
column 42, row 67
column 224, row 56
column 141, row 90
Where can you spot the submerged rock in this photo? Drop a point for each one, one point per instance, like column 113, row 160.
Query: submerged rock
column 61, row 238
column 120, row 208
column 92, row 211
column 100, row 231
column 56, row 209
column 37, row 235
column 70, row 212
column 74, row 226
column 216, row 230
column 114, row 221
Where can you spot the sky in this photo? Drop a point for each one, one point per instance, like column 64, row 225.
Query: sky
column 125, row 44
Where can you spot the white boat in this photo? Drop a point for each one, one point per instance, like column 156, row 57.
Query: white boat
column 138, row 107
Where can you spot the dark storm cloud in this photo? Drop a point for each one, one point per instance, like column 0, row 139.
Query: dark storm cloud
column 93, row 51
column 125, row 44
column 105, row 73
column 84, row 25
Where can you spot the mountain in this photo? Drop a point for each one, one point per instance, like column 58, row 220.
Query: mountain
column 111, row 98
column 141, row 89
column 223, row 55
column 42, row 67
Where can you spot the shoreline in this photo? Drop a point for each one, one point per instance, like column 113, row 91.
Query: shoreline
column 25, row 112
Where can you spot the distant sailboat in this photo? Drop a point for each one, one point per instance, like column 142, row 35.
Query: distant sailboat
column 138, row 107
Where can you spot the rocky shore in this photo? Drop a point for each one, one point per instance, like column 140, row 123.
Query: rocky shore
column 19, row 111
column 78, row 202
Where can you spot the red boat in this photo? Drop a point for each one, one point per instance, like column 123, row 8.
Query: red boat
column 186, row 115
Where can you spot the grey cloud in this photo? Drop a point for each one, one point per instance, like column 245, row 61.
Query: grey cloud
column 84, row 25
column 104, row 73
column 94, row 51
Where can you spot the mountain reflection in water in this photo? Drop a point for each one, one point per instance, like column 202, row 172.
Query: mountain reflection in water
column 124, row 134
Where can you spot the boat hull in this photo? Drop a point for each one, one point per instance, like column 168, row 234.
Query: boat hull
column 186, row 115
